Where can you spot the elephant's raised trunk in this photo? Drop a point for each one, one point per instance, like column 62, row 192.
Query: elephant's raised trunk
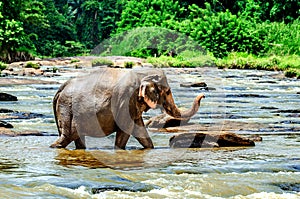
column 172, row 109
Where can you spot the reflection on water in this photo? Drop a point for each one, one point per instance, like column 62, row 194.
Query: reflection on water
column 266, row 105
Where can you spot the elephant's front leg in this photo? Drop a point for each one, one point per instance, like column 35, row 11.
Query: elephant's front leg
column 121, row 139
column 141, row 134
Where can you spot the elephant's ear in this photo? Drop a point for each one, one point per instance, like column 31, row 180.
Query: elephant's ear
column 149, row 90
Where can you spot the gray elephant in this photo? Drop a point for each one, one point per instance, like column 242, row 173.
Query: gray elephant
column 113, row 100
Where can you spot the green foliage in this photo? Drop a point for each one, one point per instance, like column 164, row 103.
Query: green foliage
column 74, row 61
column 149, row 13
column 3, row 66
column 32, row 65
column 66, row 28
column 147, row 42
column 184, row 59
column 280, row 38
column 102, row 62
column 249, row 61
column 222, row 32
column 95, row 20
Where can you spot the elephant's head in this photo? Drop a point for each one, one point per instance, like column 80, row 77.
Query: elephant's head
column 155, row 91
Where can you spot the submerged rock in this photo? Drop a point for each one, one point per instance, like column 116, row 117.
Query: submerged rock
column 12, row 133
column 10, row 114
column 206, row 140
column 7, row 97
column 4, row 110
column 6, row 125
column 198, row 84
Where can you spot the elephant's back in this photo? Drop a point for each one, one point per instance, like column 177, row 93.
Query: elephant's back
column 102, row 78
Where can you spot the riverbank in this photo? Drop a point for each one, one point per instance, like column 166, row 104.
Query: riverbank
column 290, row 64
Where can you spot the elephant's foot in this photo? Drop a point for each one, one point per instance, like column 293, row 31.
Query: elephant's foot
column 56, row 145
column 60, row 143
column 80, row 143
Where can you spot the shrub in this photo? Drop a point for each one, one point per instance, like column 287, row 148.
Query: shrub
column 292, row 73
column 2, row 66
column 289, row 64
column 102, row 62
column 32, row 65
column 222, row 32
column 280, row 38
column 128, row 64
column 183, row 60
column 74, row 61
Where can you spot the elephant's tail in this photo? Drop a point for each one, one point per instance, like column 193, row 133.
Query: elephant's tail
column 55, row 99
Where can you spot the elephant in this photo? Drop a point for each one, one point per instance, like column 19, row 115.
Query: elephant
column 112, row 100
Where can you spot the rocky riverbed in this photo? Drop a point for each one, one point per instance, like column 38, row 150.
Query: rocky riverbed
column 245, row 102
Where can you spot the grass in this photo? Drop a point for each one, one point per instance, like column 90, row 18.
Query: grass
column 102, row 62
column 186, row 59
column 290, row 64
column 32, row 65
column 74, row 61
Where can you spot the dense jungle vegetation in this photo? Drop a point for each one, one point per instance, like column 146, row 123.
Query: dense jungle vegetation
column 221, row 29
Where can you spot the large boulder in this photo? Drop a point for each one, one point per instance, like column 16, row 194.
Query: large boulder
column 207, row 140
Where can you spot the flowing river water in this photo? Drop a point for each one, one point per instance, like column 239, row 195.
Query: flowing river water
column 251, row 102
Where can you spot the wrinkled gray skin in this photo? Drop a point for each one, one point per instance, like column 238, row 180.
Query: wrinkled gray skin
column 113, row 100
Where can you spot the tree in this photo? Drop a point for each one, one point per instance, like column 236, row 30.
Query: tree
column 147, row 13
column 15, row 43
column 95, row 20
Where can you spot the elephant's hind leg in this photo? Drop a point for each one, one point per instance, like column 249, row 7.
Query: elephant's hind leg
column 64, row 124
column 79, row 139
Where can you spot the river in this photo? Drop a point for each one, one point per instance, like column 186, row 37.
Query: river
column 260, row 102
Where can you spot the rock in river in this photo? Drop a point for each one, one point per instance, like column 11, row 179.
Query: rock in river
column 6, row 125
column 7, row 97
column 208, row 140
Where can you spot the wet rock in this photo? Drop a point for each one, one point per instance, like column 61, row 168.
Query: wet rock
column 290, row 187
column 254, row 75
column 255, row 138
column 32, row 72
column 233, row 77
column 236, row 117
column 6, row 125
column 132, row 187
column 246, row 95
column 11, row 133
column 298, row 93
column 267, row 82
column 164, row 121
column 268, row 107
column 22, row 81
column 206, row 140
column 4, row 110
column 10, row 114
column 7, row 97
column 198, row 84
column 287, row 111
column 26, row 115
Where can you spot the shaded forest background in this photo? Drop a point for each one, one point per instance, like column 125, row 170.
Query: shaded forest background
column 56, row 28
